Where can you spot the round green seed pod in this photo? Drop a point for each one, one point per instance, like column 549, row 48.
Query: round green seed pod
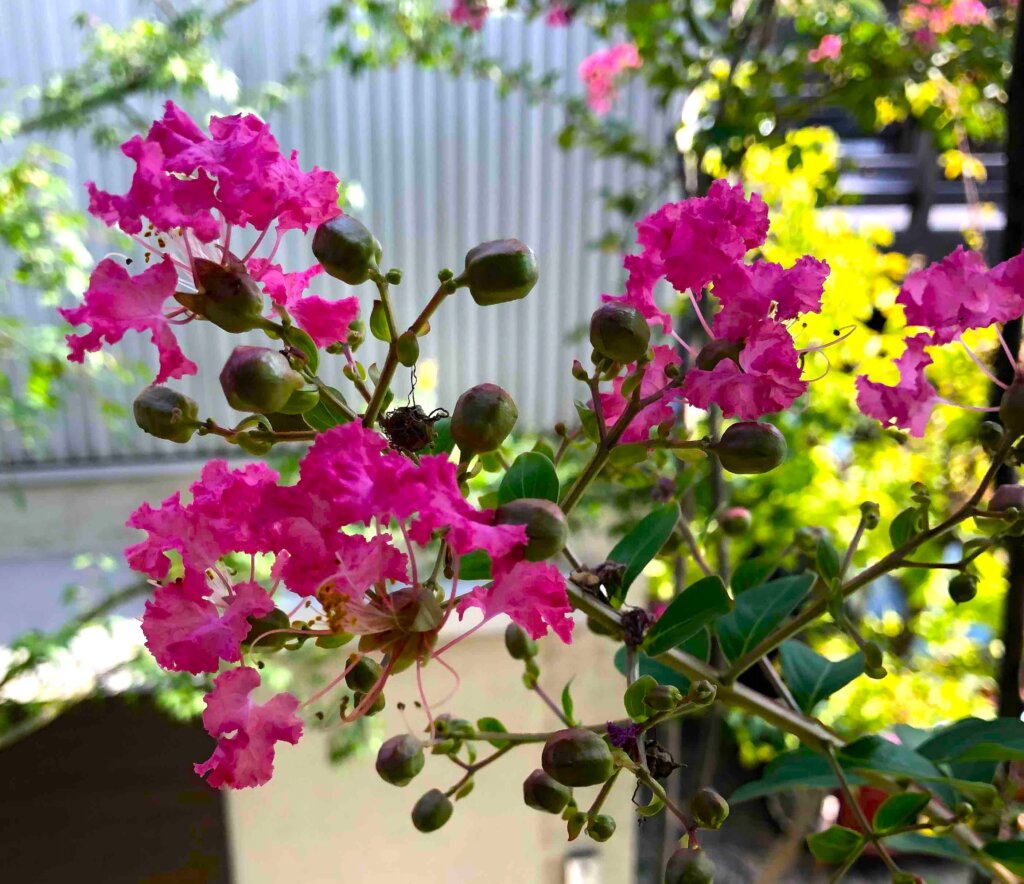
column 663, row 697
column 689, row 866
column 432, row 811
column 346, row 249
column 543, row 793
column 962, row 588
column 715, row 351
column 1011, row 410
column 483, row 417
column 363, row 675
column 400, row 759
column 227, row 296
column 735, row 521
column 518, row 644
column 258, row 379
column 619, row 333
column 166, row 414
column 577, row 757
column 709, row 809
column 378, row 704
column 990, row 435
column 546, row 527
column 601, row 827
column 750, row 447
column 499, row 271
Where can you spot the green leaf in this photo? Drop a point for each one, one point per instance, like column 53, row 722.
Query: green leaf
column 693, row 608
column 475, row 566
column 878, row 755
column 443, row 442
column 642, row 544
column 835, row 845
column 751, row 573
column 633, row 698
column 699, row 646
column 758, row 611
column 930, row 845
column 827, row 560
column 973, row 739
column 567, row 705
column 1009, row 853
column 813, row 678
column 490, row 725
column 652, row 809
column 297, row 338
column 379, row 322
column 800, row 769
column 904, row 526
column 899, row 810
column 531, row 475
column 325, row 414
column 588, row 421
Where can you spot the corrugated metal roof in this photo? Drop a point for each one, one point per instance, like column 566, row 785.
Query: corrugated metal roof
column 445, row 163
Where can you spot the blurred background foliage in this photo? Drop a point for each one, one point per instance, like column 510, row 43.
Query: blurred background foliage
column 740, row 78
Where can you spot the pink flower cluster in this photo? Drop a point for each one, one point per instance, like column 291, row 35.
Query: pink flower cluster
column 949, row 298
column 189, row 193
column 750, row 366
column 928, row 18
column 601, row 71
column 829, row 48
column 471, row 13
column 199, row 616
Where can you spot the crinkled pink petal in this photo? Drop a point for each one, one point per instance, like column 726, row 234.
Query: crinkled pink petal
column 644, row 275
column 533, row 594
column 117, row 302
column 766, row 380
column 909, row 404
column 750, row 293
column 186, row 632
column 324, row 321
column 247, row 731
column 614, row 404
column 959, row 293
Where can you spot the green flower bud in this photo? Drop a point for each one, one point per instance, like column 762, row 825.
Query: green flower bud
column 378, row 705
column 577, row 757
column 990, row 435
column 227, row 296
column 254, row 444
column 543, row 793
column 432, row 811
column 408, row 348
column 601, row 827
column 619, row 333
column 445, row 274
column 689, row 866
column 876, row 672
column 500, row 271
column 750, row 447
column 166, row 414
column 871, row 514
column 709, row 809
column 735, row 521
column 546, row 527
column 363, row 675
column 962, row 588
column 663, row 698
column 963, row 810
column 702, row 693
column 258, row 379
column 483, row 417
column 301, row 401
column 394, row 276
column 715, row 351
column 346, row 249
column 400, row 759
column 518, row 644
column 1011, row 410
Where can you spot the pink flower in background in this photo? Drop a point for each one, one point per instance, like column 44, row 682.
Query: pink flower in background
column 909, row 404
column 655, row 379
column 559, row 15
column 829, row 47
column 928, row 18
column 471, row 13
column 533, row 594
column 246, row 731
column 117, row 302
column 600, row 71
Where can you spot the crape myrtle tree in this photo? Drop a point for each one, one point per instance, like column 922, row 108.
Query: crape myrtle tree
column 381, row 543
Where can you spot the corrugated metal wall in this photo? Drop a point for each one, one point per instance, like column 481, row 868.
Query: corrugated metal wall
column 444, row 164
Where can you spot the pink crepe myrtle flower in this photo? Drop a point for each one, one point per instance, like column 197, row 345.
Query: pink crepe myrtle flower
column 659, row 412
column 246, row 732
column 829, row 48
column 909, row 404
column 532, row 594
column 188, row 632
column 600, row 72
column 189, row 190
column 960, row 293
column 936, row 17
column 559, row 15
column 764, row 378
column 117, row 302
column 471, row 13
column 325, row 321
